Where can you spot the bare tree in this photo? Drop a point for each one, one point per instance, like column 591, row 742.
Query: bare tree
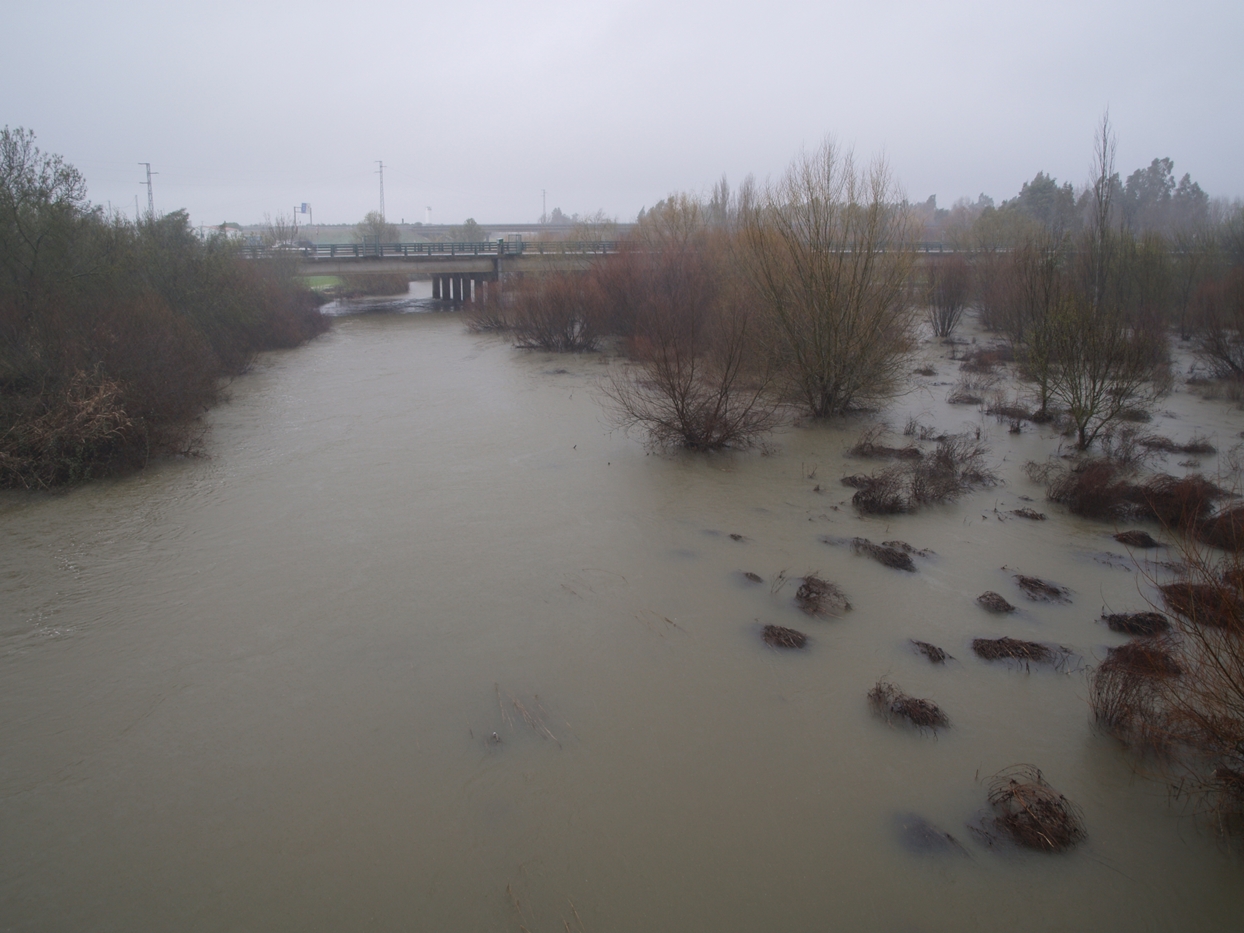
column 373, row 228
column 700, row 378
column 949, row 283
column 558, row 311
column 1101, row 365
column 829, row 251
column 1218, row 325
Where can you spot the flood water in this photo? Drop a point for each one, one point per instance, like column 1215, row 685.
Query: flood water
column 421, row 644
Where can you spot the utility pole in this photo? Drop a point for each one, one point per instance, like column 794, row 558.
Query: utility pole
column 427, row 217
column 544, row 206
column 380, row 171
column 150, row 196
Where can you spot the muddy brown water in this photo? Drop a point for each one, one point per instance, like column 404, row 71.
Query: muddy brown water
column 259, row 690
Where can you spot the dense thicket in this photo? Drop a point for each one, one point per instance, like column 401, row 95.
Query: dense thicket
column 114, row 335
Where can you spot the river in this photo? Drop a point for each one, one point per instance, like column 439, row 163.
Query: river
column 420, row 643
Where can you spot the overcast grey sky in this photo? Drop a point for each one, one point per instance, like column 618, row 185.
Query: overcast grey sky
column 247, row 108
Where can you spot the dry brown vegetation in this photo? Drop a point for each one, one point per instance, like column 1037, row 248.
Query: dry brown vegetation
column 956, row 465
column 778, row 636
column 935, row 654
column 816, row 596
column 891, row 703
column 1028, row 811
column 1101, row 488
column 993, row 602
column 1137, row 538
column 1180, row 695
column 1031, row 514
column 1137, row 623
column 1013, row 649
column 1041, row 590
column 869, row 446
column 886, row 554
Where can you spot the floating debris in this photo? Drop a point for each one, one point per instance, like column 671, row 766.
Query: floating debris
column 778, row 636
column 994, row 602
column 893, row 557
column 1137, row 623
column 752, row 577
column 1039, row 590
column 737, row 537
column 890, row 701
column 1029, row 811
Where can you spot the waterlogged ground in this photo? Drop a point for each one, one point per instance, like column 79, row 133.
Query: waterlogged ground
column 421, row 644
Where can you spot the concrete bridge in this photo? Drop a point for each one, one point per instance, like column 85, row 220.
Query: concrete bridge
column 460, row 272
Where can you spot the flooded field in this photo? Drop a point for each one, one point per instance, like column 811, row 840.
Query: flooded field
column 421, row 644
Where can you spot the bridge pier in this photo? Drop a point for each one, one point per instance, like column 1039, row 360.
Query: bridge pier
column 436, row 287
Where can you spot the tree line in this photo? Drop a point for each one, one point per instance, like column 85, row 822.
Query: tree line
column 806, row 297
column 115, row 334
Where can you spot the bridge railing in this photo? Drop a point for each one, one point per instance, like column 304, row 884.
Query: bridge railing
column 414, row 250
column 485, row 248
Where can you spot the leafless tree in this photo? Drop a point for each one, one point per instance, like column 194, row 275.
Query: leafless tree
column 949, row 282
column 558, row 311
column 828, row 250
column 699, row 379
column 1102, row 365
column 1218, row 325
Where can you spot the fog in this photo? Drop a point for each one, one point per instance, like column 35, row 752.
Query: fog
column 476, row 109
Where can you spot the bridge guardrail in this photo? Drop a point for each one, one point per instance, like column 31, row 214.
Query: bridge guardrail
column 487, row 248
column 408, row 250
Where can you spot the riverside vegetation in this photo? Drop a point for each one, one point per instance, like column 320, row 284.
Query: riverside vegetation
column 115, row 335
column 805, row 299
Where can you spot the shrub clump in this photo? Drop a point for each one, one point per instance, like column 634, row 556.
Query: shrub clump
column 1031, row 514
column 1100, row 488
column 1012, row 649
column 956, row 465
column 932, row 652
column 885, row 554
column 1208, row 603
column 1224, row 530
column 816, row 596
column 869, row 446
column 1137, row 623
column 993, row 602
column 1180, row 695
column 778, row 636
column 1030, row 812
column 1040, row 590
column 890, row 702
column 1137, row 538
